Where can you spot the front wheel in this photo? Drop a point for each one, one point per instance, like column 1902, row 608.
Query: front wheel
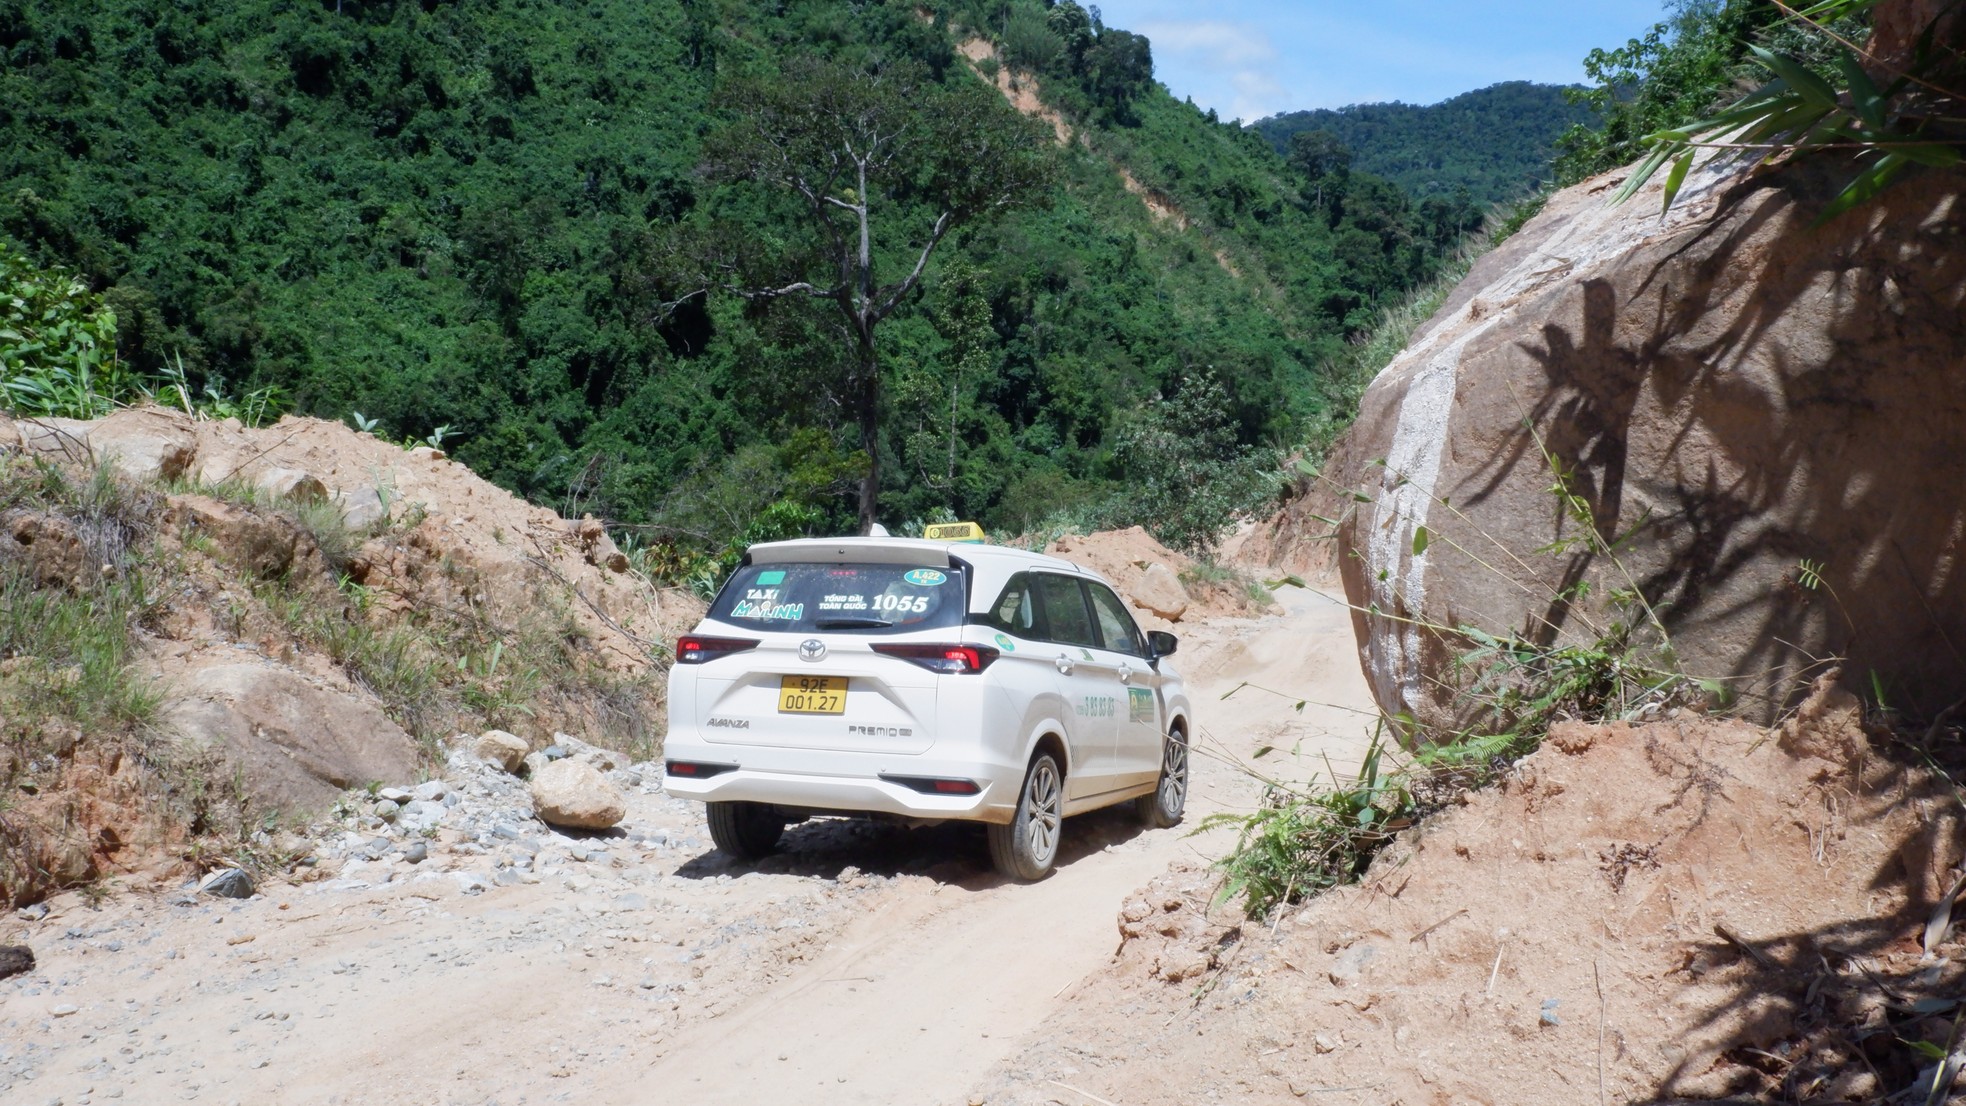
column 747, row 831
column 1027, row 848
column 1163, row 807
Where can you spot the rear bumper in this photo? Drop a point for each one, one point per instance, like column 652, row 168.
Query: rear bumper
column 849, row 783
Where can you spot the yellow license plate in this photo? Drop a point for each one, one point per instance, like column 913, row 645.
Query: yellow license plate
column 812, row 695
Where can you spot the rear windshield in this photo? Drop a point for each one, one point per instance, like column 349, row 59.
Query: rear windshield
column 842, row 598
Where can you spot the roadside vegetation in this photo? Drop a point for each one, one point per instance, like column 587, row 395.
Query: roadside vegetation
column 1818, row 96
column 74, row 601
column 1772, row 80
column 1510, row 689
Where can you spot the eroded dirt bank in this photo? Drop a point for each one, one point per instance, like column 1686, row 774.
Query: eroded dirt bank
column 1684, row 910
column 518, row 964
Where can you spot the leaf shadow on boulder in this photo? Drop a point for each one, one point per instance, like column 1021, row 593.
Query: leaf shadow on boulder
column 1737, row 401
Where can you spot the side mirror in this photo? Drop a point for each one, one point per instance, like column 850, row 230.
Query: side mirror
column 1161, row 643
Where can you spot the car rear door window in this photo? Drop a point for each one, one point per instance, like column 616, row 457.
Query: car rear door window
column 1116, row 626
column 1065, row 612
column 1016, row 609
column 842, row 598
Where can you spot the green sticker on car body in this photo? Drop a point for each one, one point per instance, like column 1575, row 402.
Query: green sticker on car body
column 768, row 578
column 1006, row 644
column 924, row 577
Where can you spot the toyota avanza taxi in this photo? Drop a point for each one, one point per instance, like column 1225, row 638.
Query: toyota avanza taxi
column 923, row 681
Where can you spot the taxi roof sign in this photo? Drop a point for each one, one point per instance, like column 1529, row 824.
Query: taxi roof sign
column 953, row 531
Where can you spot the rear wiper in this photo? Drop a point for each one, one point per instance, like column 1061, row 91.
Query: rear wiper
column 851, row 624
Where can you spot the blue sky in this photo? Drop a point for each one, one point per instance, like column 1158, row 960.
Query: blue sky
column 1251, row 58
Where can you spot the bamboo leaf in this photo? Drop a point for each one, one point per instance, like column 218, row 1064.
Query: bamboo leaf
column 1643, row 173
column 1799, row 76
column 1864, row 96
column 1829, row 11
column 1788, row 115
column 1677, row 177
column 1936, row 156
column 1867, row 185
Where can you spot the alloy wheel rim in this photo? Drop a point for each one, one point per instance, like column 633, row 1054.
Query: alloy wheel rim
column 1041, row 811
column 1174, row 776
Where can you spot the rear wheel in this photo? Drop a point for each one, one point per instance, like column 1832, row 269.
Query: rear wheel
column 1164, row 805
column 1027, row 848
column 746, row 831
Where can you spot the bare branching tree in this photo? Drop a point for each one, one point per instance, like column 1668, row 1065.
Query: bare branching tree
column 882, row 164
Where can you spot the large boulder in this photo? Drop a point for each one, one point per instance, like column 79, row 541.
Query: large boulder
column 1758, row 417
column 1159, row 590
column 576, row 795
column 291, row 742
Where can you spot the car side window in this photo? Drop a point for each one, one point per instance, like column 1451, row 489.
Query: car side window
column 1065, row 611
column 1016, row 610
column 1116, row 626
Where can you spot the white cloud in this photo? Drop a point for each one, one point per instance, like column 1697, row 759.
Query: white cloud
column 1239, row 60
column 1257, row 95
column 1224, row 45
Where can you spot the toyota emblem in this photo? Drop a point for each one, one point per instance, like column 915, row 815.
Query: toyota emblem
column 812, row 649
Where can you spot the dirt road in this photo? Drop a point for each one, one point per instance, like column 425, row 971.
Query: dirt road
column 866, row 964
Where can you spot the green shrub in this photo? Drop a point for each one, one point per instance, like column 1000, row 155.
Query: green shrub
column 1299, row 844
column 1301, row 841
column 57, row 344
column 1186, row 475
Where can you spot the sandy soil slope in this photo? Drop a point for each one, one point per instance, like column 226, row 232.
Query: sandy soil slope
column 1688, row 909
column 865, row 964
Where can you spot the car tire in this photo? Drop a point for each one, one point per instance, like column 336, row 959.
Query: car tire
column 1163, row 806
column 1027, row 848
column 747, row 831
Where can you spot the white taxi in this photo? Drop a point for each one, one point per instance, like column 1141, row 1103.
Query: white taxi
column 924, row 681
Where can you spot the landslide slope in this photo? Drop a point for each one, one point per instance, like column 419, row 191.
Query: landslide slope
column 213, row 631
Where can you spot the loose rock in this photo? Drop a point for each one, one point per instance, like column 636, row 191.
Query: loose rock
column 15, row 959
column 577, row 795
column 1159, row 590
column 229, row 883
column 506, row 750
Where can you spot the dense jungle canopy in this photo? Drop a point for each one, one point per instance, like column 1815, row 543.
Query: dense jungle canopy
column 455, row 216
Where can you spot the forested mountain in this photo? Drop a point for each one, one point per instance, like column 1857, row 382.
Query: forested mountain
column 462, row 215
column 1496, row 142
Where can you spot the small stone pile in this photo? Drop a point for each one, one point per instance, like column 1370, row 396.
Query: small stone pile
column 497, row 806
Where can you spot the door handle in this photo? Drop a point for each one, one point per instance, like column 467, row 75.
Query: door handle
column 1064, row 665
column 1126, row 674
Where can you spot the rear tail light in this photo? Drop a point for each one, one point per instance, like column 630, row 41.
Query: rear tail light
column 695, row 650
column 696, row 770
column 950, row 660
